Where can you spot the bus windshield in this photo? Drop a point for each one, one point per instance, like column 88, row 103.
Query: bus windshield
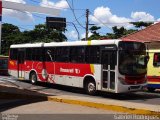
column 132, row 58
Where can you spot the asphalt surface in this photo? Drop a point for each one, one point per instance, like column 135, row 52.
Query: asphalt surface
column 50, row 89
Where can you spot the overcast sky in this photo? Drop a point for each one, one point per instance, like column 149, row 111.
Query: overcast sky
column 104, row 13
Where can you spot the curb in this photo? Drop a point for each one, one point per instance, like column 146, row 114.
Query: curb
column 104, row 106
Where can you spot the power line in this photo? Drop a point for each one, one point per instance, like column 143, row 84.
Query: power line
column 130, row 22
column 72, row 9
column 39, row 16
column 100, row 21
column 45, row 18
column 25, row 25
column 79, row 17
column 54, row 6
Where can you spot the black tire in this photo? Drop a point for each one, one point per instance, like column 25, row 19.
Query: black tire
column 33, row 78
column 90, row 87
column 151, row 89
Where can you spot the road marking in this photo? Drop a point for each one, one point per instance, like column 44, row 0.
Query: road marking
column 9, row 79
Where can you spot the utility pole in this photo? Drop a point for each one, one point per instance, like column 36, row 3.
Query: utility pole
column 87, row 14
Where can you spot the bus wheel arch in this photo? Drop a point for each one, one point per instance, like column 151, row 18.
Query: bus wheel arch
column 33, row 77
column 89, row 85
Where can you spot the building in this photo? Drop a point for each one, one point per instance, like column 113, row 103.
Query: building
column 150, row 35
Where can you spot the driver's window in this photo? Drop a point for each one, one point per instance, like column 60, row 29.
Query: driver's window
column 156, row 60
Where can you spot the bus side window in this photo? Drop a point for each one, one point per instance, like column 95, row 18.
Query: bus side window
column 39, row 54
column 50, row 54
column 92, row 54
column 62, row 54
column 28, row 53
column 13, row 54
column 77, row 54
column 156, row 60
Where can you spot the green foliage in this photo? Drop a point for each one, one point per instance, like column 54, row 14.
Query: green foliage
column 12, row 35
column 141, row 24
column 94, row 29
column 95, row 35
column 119, row 32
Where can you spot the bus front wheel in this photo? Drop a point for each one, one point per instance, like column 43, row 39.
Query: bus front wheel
column 90, row 87
column 33, row 78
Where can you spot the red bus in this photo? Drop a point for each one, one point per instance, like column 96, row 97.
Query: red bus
column 3, row 65
column 106, row 65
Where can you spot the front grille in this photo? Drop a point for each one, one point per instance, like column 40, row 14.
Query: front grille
column 135, row 87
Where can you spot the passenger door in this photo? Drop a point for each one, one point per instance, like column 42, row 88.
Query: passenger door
column 109, row 61
column 21, row 66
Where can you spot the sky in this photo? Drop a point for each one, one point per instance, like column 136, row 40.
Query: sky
column 103, row 13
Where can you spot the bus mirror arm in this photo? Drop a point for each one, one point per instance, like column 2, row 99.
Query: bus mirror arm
column 49, row 53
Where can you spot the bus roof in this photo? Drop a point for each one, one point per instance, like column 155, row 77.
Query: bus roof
column 27, row 45
column 75, row 43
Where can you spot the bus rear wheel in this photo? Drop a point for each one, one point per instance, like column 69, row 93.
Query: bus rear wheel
column 90, row 87
column 33, row 78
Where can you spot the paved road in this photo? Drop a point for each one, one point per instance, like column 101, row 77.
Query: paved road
column 138, row 97
column 50, row 107
column 40, row 110
column 46, row 110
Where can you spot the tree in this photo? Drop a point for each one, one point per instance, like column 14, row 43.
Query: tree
column 119, row 32
column 41, row 34
column 95, row 35
column 94, row 29
column 141, row 24
column 9, row 28
column 12, row 35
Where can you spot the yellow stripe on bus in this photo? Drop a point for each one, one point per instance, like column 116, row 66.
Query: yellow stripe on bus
column 89, row 42
column 11, row 62
column 92, row 68
column 153, row 82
